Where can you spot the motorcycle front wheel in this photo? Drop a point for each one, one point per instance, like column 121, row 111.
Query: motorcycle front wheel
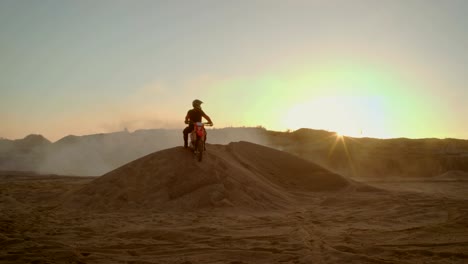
column 200, row 149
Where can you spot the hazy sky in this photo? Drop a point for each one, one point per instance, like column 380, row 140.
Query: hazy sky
column 370, row 68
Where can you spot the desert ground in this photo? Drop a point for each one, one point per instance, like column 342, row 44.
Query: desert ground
column 245, row 203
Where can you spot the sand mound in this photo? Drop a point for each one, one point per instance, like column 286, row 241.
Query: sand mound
column 241, row 175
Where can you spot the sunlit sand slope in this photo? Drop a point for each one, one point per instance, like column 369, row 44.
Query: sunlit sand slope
column 241, row 175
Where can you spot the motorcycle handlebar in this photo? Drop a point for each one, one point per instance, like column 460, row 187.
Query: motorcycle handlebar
column 205, row 123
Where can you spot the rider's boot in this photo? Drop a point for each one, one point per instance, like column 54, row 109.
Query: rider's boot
column 185, row 144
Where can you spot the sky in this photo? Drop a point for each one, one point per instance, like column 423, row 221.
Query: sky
column 361, row 68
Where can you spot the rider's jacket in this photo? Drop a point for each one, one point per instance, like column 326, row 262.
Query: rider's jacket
column 195, row 115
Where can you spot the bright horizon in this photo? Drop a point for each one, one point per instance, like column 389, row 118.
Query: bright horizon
column 382, row 69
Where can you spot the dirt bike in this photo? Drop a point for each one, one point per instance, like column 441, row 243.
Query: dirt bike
column 198, row 138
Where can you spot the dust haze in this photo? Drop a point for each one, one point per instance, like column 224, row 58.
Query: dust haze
column 94, row 155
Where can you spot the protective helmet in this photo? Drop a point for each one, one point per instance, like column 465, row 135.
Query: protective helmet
column 197, row 103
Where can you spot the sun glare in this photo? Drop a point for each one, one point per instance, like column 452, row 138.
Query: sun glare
column 345, row 115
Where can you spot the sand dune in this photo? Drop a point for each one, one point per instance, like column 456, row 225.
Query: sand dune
column 241, row 175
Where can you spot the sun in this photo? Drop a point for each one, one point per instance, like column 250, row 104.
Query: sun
column 345, row 115
column 332, row 114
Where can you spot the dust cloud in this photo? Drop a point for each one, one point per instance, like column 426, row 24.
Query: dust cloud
column 94, row 155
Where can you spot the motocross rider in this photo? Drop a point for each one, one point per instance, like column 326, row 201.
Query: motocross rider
column 194, row 115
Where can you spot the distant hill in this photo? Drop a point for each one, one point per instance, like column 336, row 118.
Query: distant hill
column 23, row 154
column 97, row 154
column 375, row 158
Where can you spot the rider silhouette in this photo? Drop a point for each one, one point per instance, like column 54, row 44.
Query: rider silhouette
column 194, row 115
